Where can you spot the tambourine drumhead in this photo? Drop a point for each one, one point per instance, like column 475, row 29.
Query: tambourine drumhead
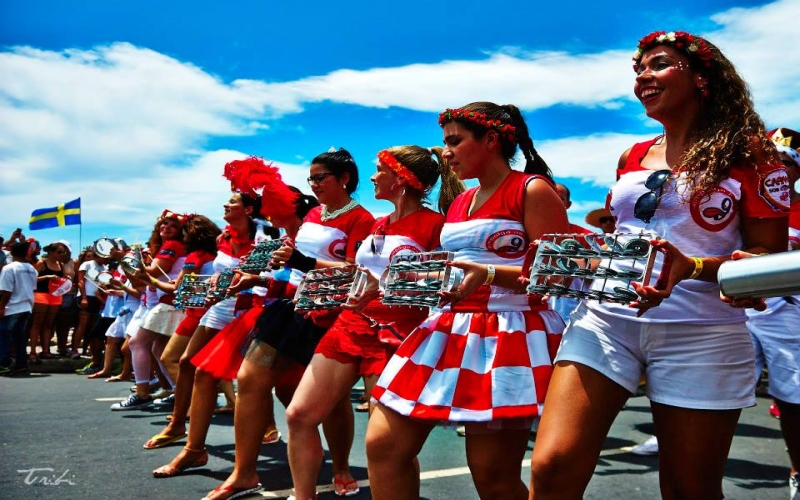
column 92, row 274
column 130, row 264
column 104, row 278
column 59, row 286
column 120, row 243
column 103, row 247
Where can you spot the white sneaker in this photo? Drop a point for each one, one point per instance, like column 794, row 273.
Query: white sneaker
column 132, row 402
column 794, row 486
column 649, row 447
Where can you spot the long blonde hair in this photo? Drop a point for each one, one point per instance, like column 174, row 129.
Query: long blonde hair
column 420, row 162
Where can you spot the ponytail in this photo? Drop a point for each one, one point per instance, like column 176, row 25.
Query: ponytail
column 451, row 186
column 534, row 164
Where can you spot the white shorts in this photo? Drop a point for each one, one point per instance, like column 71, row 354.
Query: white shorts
column 163, row 319
column 219, row 315
column 707, row 367
column 777, row 343
column 136, row 321
column 118, row 327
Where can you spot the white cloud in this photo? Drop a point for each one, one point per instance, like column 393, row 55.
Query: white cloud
column 116, row 121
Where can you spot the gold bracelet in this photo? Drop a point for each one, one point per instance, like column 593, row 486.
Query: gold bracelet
column 490, row 272
column 698, row 267
column 153, row 281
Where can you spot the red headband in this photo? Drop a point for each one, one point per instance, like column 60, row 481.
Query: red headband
column 401, row 170
column 181, row 218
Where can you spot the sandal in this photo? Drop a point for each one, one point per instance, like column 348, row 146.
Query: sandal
column 170, row 470
column 46, row 355
column 34, row 359
column 271, row 437
column 231, row 492
column 344, row 488
column 115, row 378
column 162, row 440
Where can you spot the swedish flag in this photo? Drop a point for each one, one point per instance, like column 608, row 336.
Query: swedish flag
column 63, row 215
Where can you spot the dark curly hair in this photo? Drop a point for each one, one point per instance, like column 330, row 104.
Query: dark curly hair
column 728, row 130
column 200, row 233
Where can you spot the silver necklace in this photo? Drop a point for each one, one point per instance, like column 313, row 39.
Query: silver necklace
column 326, row 216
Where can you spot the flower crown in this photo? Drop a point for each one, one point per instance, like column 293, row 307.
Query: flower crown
column 693, row 45
column 505, row 129
column 401, row 170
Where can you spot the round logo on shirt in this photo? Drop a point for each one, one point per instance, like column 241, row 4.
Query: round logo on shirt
column 509, row 243
column 713, row 209
column 404, row 250
column 775, row 189
column 338, row 248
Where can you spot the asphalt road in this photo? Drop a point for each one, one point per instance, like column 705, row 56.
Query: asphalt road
column 58, row 433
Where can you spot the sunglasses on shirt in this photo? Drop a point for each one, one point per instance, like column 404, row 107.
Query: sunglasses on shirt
column 646, row 205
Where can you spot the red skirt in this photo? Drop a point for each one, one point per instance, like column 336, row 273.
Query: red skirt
column 223, row 355
column 473, row 366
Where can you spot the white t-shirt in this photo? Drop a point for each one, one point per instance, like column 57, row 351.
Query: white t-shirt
column 19, row 278
column 89, row 286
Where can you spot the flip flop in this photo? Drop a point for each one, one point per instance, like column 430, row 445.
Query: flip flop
column 271, row 437
column 234, row 492
column 115, row 378
column 224, row 410
column 161, row 440
column 339, row 485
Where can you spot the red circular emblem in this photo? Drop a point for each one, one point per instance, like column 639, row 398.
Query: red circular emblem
column 713, row 209
column 338, row 248
column 509, row 243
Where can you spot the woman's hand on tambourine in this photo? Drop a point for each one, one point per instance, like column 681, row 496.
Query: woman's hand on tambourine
column 676, row 268
column 242, row 281
column 370, row 292
column 281, row 255
column 757, row 303
column 474, row 276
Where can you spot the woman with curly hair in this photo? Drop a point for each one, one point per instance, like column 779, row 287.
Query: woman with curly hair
column 711, row 184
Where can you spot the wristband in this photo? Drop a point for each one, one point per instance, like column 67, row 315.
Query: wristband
column 490, row 272
column 698, row 267
column 153, row 281
column 301, row 262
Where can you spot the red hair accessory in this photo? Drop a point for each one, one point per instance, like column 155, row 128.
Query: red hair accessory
column 505, row 129
column 693, row 46
column 181, row 218
column 401, row 170
column 253, row 176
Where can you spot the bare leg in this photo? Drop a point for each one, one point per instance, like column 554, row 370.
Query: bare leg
column 112, row 348
column 185, row 382
column 47, row 330
column 256, row 380
column 393, row 442
column 38, row 316
column 495, row 462
column 325, row 385
column 171, row 357
column 226, row 388
column 693, row 447
column 580, row 407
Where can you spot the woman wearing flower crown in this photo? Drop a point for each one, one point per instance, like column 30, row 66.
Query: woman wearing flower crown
column 711, row 184
column 352, row 347
column 485, row 360
column 284, row 341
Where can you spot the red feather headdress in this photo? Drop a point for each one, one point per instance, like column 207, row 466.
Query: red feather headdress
column 254, row 177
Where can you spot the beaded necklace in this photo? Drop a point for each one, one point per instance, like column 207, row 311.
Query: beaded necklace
column 326, row 216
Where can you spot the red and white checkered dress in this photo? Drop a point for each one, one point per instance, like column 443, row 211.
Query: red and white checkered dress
column 490, row 356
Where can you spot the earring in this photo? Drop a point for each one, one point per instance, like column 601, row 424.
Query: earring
column 704, row 91
column 344, row 186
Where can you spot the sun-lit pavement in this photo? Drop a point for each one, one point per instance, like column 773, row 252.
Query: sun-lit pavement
column 56, row 431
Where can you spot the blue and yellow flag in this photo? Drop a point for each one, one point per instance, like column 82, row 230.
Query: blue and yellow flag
column 63, row 215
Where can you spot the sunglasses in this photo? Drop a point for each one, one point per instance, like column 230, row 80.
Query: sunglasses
column 378, row 237
column 318, row 178
column 646, row 205
column 605, row 220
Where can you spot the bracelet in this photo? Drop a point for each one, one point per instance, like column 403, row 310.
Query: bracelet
column 490, row 272
column 262, row 279
column 698, row 267
column 153, row 281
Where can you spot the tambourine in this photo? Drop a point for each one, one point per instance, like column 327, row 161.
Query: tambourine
column 99, row 278
column 219, row 291
column 415, row 279
column 133, row 262
column 575, row 258
column 192, row 291
column 58, row 286
column 328, row 288
column 104, row 246
column 259, row 258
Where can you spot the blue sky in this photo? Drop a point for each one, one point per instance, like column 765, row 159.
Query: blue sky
column 137, row 107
